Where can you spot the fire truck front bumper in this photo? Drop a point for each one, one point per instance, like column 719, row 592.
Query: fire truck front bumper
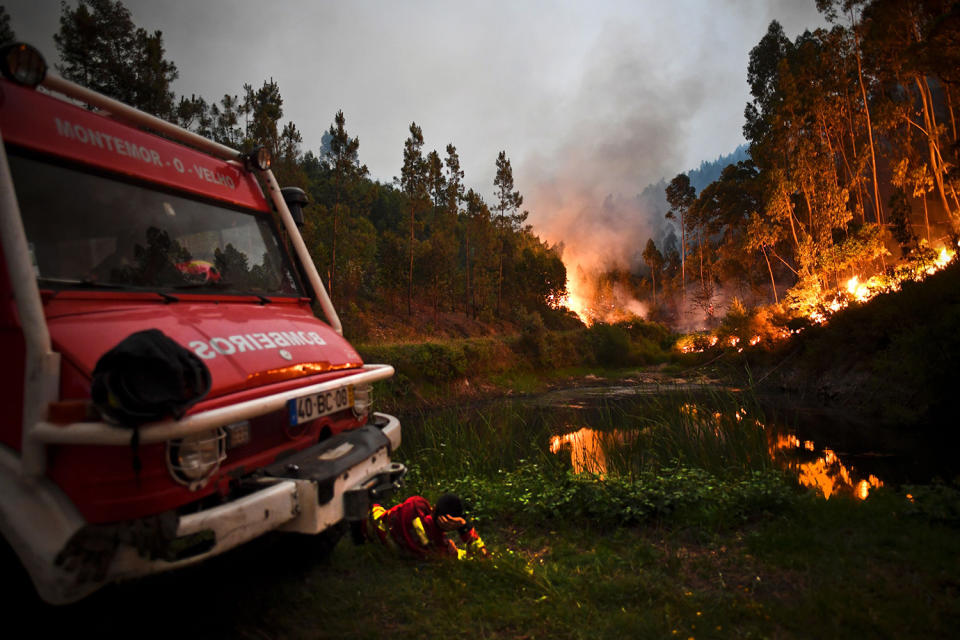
column 306, row 493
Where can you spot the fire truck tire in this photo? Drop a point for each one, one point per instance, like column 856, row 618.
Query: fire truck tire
column 20, row 594
column 315, row 548
column 326, row 541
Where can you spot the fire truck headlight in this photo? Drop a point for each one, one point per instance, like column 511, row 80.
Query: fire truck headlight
column 258, row 159
column 192, row 460
column 362, row 400
column 22, row 64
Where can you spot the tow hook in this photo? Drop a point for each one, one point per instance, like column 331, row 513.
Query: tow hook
column 357, row 501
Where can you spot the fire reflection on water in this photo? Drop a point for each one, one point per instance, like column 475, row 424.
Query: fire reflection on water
column 826, row 474
column 587, row 448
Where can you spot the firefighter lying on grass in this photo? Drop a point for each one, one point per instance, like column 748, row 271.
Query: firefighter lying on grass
column 415, row 526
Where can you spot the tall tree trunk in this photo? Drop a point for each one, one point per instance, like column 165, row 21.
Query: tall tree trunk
column 466, row 302
column 500, row 265
column 932, row 146
column 683, row 270
column 953, row 120
column 773, row 283
column 500, row 280
column 866, row 111
column 410, row 276
column 333, row 253
column 700, row 247
column 853, row 147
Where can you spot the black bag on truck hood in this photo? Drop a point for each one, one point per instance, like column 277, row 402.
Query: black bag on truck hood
column 147, row 377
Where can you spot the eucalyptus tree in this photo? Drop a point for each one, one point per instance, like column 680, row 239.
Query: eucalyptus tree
column 798, row 125
column 853, row 9
column 723, row 210
column 898, row 40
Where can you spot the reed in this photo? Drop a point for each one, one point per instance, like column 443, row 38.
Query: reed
column 720, row 432
column 476, row 440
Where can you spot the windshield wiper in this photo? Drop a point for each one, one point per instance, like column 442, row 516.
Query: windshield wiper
column 222, row 285
column 203, row 285
column 85, row 282
column 93, row 284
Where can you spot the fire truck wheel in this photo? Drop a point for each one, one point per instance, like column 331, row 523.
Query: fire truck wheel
column 319, row 547
column 325, row 541
column 20, row 594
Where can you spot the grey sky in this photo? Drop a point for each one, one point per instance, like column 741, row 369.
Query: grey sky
column 587, row 98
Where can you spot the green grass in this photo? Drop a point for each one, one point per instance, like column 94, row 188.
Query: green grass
column 681, row 538
column 816, row 569
column 810, row 569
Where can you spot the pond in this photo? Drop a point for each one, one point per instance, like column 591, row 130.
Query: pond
column 829, row 452
column 633, row 428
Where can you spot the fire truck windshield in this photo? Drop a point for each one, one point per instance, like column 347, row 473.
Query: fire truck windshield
column 87, row 230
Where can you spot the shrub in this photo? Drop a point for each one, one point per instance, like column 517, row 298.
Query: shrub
column 611, row 344
column 538, row 493
column 533, row 337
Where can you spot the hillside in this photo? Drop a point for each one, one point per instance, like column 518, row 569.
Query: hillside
column 893, row 359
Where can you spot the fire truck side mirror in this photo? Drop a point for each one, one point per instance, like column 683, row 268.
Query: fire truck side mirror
column 296, row 200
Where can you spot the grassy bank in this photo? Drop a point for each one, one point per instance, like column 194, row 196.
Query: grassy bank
column 435, row 372
column 692, row 530
column 811, row 569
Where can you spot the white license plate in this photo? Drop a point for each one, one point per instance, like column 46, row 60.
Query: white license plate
column 315, row 405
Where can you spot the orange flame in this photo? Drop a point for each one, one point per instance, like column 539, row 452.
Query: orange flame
column 578, row 305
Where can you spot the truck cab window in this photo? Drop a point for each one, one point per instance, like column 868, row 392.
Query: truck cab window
column 87, row 230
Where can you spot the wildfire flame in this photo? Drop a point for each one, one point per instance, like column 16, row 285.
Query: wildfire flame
column 855, row 290
column 595, row 302
column 875, row 285
column 578, row 305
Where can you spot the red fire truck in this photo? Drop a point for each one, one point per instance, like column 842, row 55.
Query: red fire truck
column 113, row 222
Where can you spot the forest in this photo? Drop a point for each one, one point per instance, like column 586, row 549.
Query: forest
column 852, row 171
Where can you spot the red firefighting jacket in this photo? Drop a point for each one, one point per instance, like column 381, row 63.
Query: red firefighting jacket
column 410, row 525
